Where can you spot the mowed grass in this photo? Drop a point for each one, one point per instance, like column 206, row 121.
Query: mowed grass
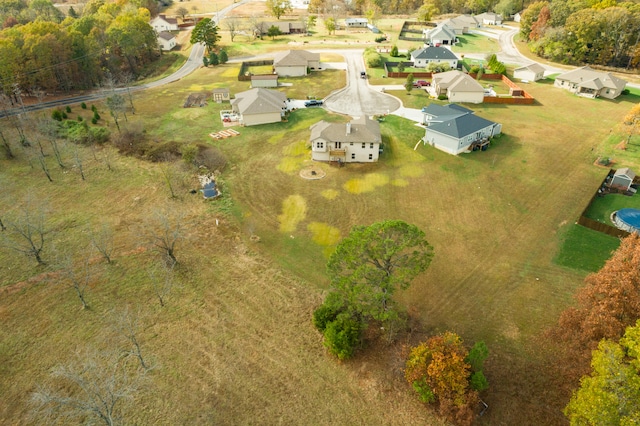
column 236, row 344
column 584, row 248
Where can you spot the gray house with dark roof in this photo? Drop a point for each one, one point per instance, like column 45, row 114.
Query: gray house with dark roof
column 355, row 142
column 423, row 57
column 454, row 129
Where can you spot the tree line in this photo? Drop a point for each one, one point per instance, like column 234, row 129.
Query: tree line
column 54, row 53
column 603, row 33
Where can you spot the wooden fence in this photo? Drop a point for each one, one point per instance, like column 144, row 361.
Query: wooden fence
column 594, row 224
column 404, row 74
column 408, row 28
column 522, row 97
column 244, row 76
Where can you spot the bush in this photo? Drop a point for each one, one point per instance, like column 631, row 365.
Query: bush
column 626, row 92
column 211, row 158
column 79, row 118
column 380, row 39
column 189, row 153
column 93, row 108
column 99, row 134
column 342, row 336
column 372, row 58
column 68, row 109
column 96, row 115
column 83, row 105
column 394, row 51
column 478, row 381
column 94, row 121
column 56, row 115
column 324, row 315
column 442, row 97
column 64, row 115
column 223, row 57
column 474, row 69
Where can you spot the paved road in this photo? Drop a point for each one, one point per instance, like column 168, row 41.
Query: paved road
column 358, row 98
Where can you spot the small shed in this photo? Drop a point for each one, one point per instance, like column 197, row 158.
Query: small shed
column 356, row 22
column 266, row 80
column 622, row 179
column 221, row 94
column 532, row 72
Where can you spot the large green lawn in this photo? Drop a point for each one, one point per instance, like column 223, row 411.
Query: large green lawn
column 236, row 345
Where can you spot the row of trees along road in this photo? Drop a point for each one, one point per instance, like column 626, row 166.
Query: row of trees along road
column 578, row 32
column 107, row 40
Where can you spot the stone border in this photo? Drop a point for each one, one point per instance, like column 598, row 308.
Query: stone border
column 312, row 172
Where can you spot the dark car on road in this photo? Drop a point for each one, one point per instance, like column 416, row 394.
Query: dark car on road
column 312, row 103
column 363, row 74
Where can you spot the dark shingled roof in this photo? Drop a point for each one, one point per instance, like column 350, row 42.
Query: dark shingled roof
column 461, row 126
column 433, row 52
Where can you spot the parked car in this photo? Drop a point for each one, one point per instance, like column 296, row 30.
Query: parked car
column 422, row 83
column 312, row 103
column 363, row 74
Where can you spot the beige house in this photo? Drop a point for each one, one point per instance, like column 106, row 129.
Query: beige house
column 295, row 63
column 166, row 41
column 259, row 106
column 440, row 35
column 355, row 142
column 265, row 80
column 163, row 23
column 532, row 72
column 458, row 87
column 590, row 83
column 285, row 27
column 489, row 18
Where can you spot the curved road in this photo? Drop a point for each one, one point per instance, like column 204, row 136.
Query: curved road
column 357, row 98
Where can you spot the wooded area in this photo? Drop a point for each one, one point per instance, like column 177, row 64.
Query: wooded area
column 41, row 50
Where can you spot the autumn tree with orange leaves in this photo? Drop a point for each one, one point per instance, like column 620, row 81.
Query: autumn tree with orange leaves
column 440, row 371
column 606, row 306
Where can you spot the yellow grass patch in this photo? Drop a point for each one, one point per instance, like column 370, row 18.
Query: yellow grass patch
column 370, row 182
column 324, row 234
column 294, row 210
column 330, row 194
column 289, row 165
column 295, row 149
column 230, row 72
column 190, row 113
column 275, row 139
column 400, row 182
column 412, row 170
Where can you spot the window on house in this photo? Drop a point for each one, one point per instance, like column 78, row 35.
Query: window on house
column 351, row 144
column 364, row 145
column 320, row 145
column 353, row 155
column 370, row 156
column 338, row 145
column 371, row 145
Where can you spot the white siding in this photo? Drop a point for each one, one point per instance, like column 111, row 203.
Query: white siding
column 291, row 71
column 255, row 119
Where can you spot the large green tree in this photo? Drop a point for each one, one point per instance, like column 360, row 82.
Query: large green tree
column 279, row 7
column 373, row 261
column 206, row 31
column 610, row 395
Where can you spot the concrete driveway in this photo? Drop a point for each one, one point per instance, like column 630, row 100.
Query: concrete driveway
column 357, row 98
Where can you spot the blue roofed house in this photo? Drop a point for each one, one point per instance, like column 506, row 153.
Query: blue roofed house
column 455, row 129
column 426, row 55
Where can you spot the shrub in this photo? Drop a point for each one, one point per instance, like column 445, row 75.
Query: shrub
column 325, row 314
column 380, row 39
column 96, row 115
column 68, row 109
column 189, row 153
column 93, row 108
column 626, row 92
column 372, row 58
column 64, row 115
column 474, row 69
column 442, row 97
column 94, row 121
column 99, row 134
column 83, row 105
column 223, row 57
column 211, row 158
column 478, row 381
column 394, row 51
column 79, row 118
column 342, row 336
column 56, row 115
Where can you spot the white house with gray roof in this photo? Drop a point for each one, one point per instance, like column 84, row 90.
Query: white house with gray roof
column 440, row 35
column 423, row 57
column 166, row 41
column 295, row 63
column 259, row 106
column 531, row 72
column 355, row 142
column 457, row 86
column 590, row 83
column 489, row 18
column 455, row 129
column 164, row 23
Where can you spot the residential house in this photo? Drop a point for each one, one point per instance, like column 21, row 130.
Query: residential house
column 591, row 83
column 457, row 26
column 469, row 21
column 457, row 86
column 355, row 142
column 531, row 72
column 356, row 22
column 259, row 106
column 439, row 35
column 489, row 18
column 166, row 41
column 622, row 179
column 163, row 23
column 517, row 17
column 285, row 27
column 295, row 63
column 453, row 130
column 221, row 94
column 423, row 57
column 264, row 80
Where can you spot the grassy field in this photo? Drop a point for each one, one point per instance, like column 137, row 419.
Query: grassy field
column 234, row 345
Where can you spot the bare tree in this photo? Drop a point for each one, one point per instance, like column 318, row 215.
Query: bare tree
column 92, row 389
column 2, row 227
column 182, row 11
column 48, row 128
column 6, row 146
column 102, row 240
column 232, row 25
column 42, row 161
column 79, row 162
column 116, row 105
column 128, row 326
column 163, row 233
column 256, row 26
column 162, row 280
column 27, row 232
column 79, row 276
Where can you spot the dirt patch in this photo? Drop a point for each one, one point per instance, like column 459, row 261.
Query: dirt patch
column 312, row 173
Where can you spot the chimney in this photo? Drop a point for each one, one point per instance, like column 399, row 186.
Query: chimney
column 348, row 128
